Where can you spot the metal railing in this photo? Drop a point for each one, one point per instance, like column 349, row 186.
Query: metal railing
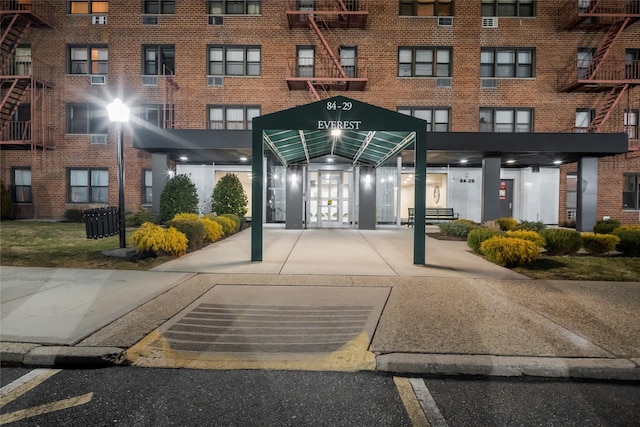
column 573, row 8
column 39, row 8
column 28, row 67
column 325, row 69
column 610, row 72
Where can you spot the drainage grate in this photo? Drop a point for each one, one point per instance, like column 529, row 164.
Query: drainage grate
column 265, row 328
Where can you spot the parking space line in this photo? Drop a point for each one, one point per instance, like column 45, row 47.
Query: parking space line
column 17, row 388
column 427, row 403
column 411, row 404
column 45, row 409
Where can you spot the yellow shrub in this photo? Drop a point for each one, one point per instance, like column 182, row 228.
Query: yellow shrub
column 599, row 243
column 212, row 229
column 530, row 235
column 153, row 238
column 184, row 215
column 228, row 226
column 509, row 251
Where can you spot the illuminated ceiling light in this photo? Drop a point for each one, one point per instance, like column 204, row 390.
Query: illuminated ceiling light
column 243, row 159
column 330, row 160
column 184, row 158
column 557, row 162
column 336, row 132
column 511, row 161
column 463, row 161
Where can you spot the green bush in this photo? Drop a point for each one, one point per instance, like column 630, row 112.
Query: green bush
column 598, row 244
column 507, row 224
column 229, row 197
column 193, row 229
column 479, row 235
column 629, row 240
column 606, row 226
column 6, row 207
column 530, row 235
column 73, row 215
column 236, row 220
column 179, row 195
column 228, row 226
column 561, row 241
column 151, row 238
column 457, row 228
column 143, row 215
column 509, row 251
column 536, row 226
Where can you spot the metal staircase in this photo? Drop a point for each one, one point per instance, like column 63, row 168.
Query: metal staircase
column 321, row 16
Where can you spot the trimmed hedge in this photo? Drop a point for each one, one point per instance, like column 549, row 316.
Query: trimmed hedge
column 479, row 235
column 193, row 229
column 235, row 218
column 606, row 226
column 509, row 251
column 629, row 240
column 599, row 244
column 143, row 215
column 507, row 224
column 151, row 238
column 530, row 235
column 536, row 226
column 561, row 241
column 212, row 229
column 457, row 228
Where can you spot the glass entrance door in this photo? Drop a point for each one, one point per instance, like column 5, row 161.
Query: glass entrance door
column 329, row 201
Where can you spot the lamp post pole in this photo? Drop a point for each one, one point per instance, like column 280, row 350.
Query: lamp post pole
column 119, row 113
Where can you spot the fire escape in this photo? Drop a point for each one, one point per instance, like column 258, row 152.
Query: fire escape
column 327, row 71
column 24, row 80
column 596, row 70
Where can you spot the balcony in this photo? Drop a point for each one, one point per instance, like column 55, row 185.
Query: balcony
column 332, row 13
column 324, row 72
column 37, row 12
column 591, row 79
column 597, row 14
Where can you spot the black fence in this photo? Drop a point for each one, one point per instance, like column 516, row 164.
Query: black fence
column 102, row 222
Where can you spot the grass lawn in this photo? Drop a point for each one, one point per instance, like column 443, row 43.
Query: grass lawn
column 62, row 244
column 583, row 267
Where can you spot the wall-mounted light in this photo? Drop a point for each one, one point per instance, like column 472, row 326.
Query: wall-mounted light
column 367, row 179
column 294, row 178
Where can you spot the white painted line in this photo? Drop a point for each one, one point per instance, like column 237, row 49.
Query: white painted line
column 411, row 404
column 25, row 383
column 12, row 417
column 427, row 403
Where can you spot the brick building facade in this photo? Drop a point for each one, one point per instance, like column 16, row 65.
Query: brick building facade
column 198, row 64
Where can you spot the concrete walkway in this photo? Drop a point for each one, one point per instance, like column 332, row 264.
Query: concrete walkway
column 459, row 314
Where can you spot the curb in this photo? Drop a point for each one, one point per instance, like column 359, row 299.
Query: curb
column 31, row 355
column 509, row 366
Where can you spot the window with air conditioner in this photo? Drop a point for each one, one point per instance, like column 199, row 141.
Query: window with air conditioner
column 85, row 119
column 159, row 7
column 158, row 60
column 507, row 62
column 437, row 118
column 232, row 117
column 233, row 7
column 87, row 185
column 234, row 60
column 88, row 59
column 98, row 80
column 99, row 19
column 423, row 61
column 508, row 8
column 516, row 120
column 426, row 8
column 88, row 7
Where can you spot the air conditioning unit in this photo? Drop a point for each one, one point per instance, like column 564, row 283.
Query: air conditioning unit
column 99, row 19
column 445, row 21
column 215, row 81
column 98, row 80
column 490, row 22
column 98, row 139
column 443, row 82
column 216, row 20
column 488, row 83
column 149, row 80
column 149, row 20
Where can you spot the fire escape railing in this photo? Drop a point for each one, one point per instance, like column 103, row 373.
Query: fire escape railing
column 336, row 13
column 597, row 13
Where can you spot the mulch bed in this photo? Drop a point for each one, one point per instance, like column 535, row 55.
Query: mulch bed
column 440, row 236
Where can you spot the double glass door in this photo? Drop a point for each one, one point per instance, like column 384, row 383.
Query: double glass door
column 329, row 205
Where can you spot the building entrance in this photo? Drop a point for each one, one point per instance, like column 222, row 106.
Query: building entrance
column 331, row 199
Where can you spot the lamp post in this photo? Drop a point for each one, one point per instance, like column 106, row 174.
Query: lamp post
column 119, row 113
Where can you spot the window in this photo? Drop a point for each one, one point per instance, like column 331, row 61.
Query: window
column 520, row 8
column 584, row 116
column 88, row 186
column 631, row 123
column 21, row 185
column 156, row 7
column 87, row 7
column 424, row 62
column 87, row 119
column 234, row 60
column 158, row 60
column 426, row 8
column 631, row 191
column 632, row 63
column 585, row 56
column 88, row 59
column 348, row 58
column 572, row 196
column 157, row 115
column 507, row 62
column 437, row 117
column 233, row 7
column 305, row 61
column 236, row 117
column 147, row 186
column 506, row 120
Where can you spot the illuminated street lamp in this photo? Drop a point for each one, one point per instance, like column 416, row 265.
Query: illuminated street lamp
column 119, row 113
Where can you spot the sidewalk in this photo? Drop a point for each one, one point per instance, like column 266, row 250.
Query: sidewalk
column 458, row 315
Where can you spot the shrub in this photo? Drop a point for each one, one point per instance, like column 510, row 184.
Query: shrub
column 236, row 220
column 598, row 244
column 6, row 207
column 228, row 226
column 193, row 229
column 143, row 215
column 151, row 238
column 492, row 224
column 629, row 240
column 509, row 251
column 457, row 228
column 606, row 226
column 561, row 241
column 229, row 197
column 212, row 229
column 532, row 236
column 73, row 215
column 179, row 195
column 479, row 235
column 507, row 224
column 536, row 226
column 184, row 215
